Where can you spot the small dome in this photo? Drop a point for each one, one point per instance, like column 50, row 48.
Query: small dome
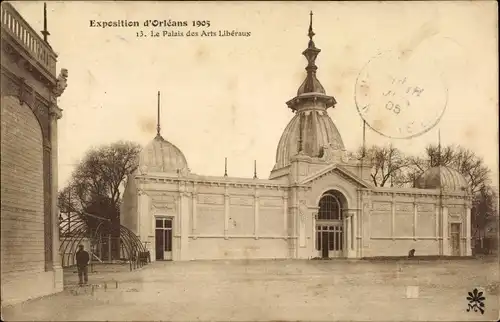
column 442, row 177
column 162, row 156
column 318, row 132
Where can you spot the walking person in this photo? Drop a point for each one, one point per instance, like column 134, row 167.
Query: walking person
column 82, row 262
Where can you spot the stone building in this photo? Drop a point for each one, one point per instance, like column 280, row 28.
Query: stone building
column 30, row 264
column 316, row 203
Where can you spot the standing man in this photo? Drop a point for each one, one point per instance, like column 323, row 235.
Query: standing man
column 82, row 261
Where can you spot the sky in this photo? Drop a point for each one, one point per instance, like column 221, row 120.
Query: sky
column 225, row 96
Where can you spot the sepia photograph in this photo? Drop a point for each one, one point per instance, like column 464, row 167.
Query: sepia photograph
column 249, row 161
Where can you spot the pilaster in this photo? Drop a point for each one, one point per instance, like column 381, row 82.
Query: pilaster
column 303, row 211
column 366, row 224
column 184, row 218
column 294, row 224
column 143, row 211
column 468, row 247
column 354, row 244
column 256, row 214
column 55, row 114
column 415, row 216
column 446, row 248
column 195, row 213
column 226, row 212
column 346, row 234
column 285, row 217
column 438, row 219
column 393, row 217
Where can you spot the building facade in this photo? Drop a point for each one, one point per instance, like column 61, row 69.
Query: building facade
column 316, row 203
column 30, row 264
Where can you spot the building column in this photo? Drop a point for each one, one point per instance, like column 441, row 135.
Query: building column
column 256, row 215
column 347, row 235
column 415, row 215
column 436, row 228
column 294, row 242
column 468, row 247
column 184, row 218
column 285, row 217
column 314, row 218
column 303, row 211
column 367, row 224
column 226, row 213
column 393, row 217
column 444, row 213
column 354, row 229
column 195, row 214
column 142, row 211
column 55, row 115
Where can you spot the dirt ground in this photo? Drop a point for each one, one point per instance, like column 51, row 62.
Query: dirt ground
column 284, row 290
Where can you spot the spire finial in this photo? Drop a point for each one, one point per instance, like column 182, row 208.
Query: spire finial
column 158, row 128
column 255, row 169
column 45, row 32
column 225, row 167
column 311, row 32
column 311, row 83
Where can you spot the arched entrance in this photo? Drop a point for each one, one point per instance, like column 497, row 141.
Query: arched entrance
column 329, row 224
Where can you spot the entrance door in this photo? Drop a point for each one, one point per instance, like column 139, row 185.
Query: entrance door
column 329, row 239
column 455, row 239
column 329, row 225
column 163, row 238
column 324, row 245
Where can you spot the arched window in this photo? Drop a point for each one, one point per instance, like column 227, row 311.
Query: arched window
column 330, row 208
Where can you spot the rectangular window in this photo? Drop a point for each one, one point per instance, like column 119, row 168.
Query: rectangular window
column 159, row 223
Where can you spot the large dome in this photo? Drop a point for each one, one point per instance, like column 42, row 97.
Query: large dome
column 162, row 156
column 318, row 131
column 442, row 177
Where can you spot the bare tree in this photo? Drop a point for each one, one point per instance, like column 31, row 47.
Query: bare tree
column 94, row 188
column 96, row 182
column 388, row 162
column 484, row 215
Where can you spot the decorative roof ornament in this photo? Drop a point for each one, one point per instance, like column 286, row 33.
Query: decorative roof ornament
column 311, row 88
column 45, row 32
column 158, row 128
column 311, row 84
column 61, row 82
column 334, row 153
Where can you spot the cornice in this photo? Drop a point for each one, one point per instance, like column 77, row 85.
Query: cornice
column 211, row 183
column 25, row 60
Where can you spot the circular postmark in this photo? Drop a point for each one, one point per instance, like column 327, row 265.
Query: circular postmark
column 400, row 95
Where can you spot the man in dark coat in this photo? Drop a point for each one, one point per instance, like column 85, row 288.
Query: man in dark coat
column 82, row 261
